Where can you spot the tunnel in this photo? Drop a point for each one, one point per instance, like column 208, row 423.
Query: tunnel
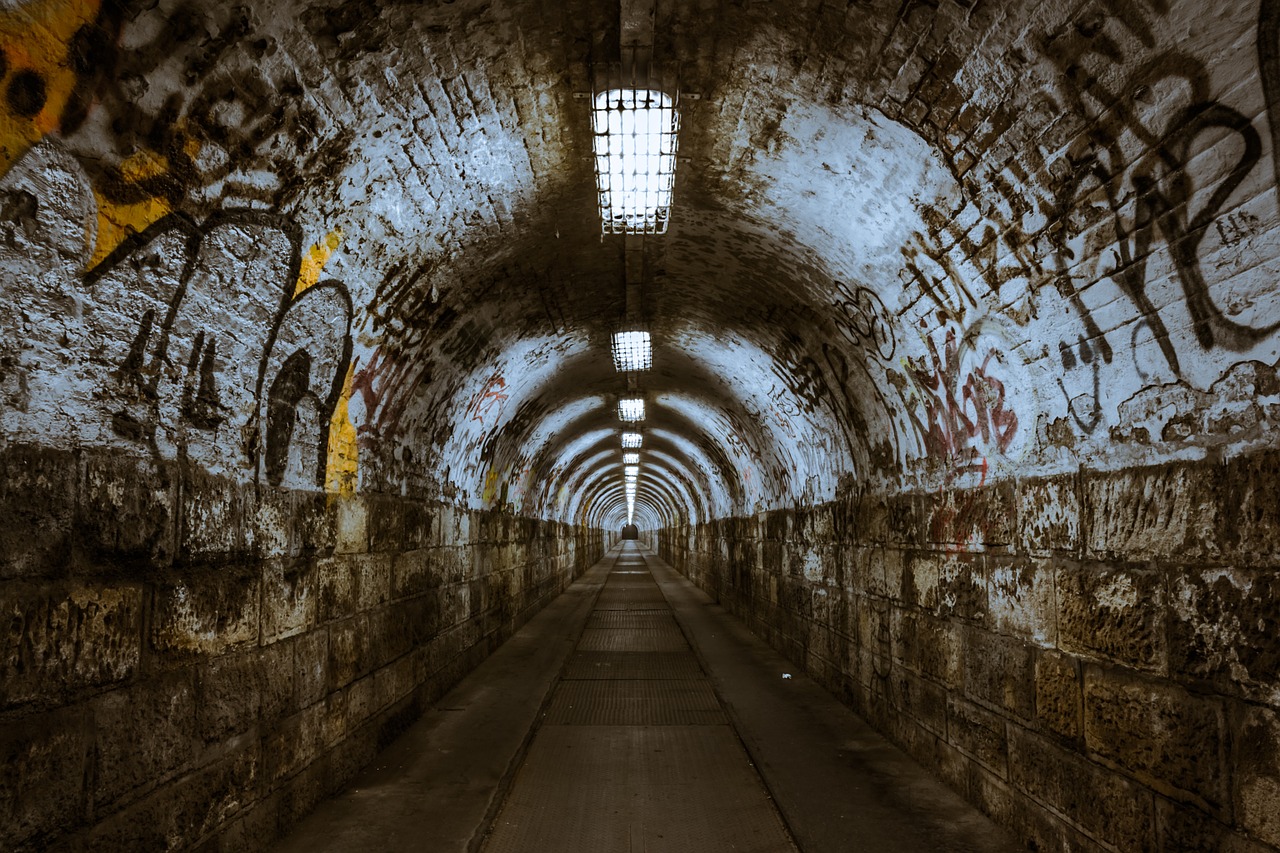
column 931, row 345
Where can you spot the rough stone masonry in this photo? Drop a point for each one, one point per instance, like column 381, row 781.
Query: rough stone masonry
column 964, row 394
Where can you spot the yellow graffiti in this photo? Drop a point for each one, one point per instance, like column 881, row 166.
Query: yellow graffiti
column 342, row 469
column 317, row 256
column 118, row 221
column 37, row 73
column 491, row 486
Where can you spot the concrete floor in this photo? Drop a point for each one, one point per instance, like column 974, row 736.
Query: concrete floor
column 634, row 714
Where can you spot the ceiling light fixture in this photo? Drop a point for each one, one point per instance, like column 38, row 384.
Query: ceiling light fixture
column 631, row 409
column 631, row 459
column 631, row 440
column 632, row 351
column 635, row 149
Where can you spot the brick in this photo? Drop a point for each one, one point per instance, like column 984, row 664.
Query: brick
column 352, row 527
column 1250, row 513
column 1112, row 613
column 1164, row 736
column 67, row 636
column 190, row 808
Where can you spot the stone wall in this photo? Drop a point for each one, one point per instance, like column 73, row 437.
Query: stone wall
column 1091, row 658
column 189, row 658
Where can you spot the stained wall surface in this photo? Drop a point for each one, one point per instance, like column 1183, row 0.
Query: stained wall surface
column 964, row 392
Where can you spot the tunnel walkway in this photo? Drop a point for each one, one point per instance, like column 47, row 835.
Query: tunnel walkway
column 633, row 714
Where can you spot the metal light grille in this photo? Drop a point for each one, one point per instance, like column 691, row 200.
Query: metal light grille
column 635, row 150
column 632, row 351
column 631, row 440
column 631, row 409
column 631, row 471
column 631, row 459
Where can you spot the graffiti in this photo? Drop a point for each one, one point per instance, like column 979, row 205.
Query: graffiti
column 1085, row 408
column 188, row 384
column 489, row 399
column 231, row 130
column 1150, row 195
column 964, row 394
column 862, row 319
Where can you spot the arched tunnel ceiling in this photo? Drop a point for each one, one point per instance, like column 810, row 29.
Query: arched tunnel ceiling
column 912, row 242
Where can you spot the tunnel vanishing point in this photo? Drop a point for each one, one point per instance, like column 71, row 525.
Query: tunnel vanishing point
column 964, row 326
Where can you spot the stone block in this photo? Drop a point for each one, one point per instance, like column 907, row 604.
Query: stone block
column 1250, row 514
column 1257, row 794
column 294, row 744
column 970, row 519
column 1108, row 806
column 1048, row 516
column 276, row 678
column 386, row 523
column 229, row 702
column 348, row 651
column 311, row 667
column 177, row 816
column 978, row 733
column 929, row 646
column 1169, row 511
column 142, row 734
column 1112, row 613
column 921, row 701
column 1223, row 625
column 217, row 518
column 337, row 580
column 1059, row 696
column 38, row 492
column 1157, row 731
column 205, row 612
column 315, row 526
column 289, row 597
column 66, row 636
column 127, row 509
column 1021, row 598
column 352, row 526
column 43, row 768
column 951, row 585
column 272, row 521
column 375, row 580
column 999, row 672
column 1187, row 829
column 419, row 524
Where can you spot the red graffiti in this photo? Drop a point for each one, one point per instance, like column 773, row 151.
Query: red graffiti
column 490, row 396
column 964, row 417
